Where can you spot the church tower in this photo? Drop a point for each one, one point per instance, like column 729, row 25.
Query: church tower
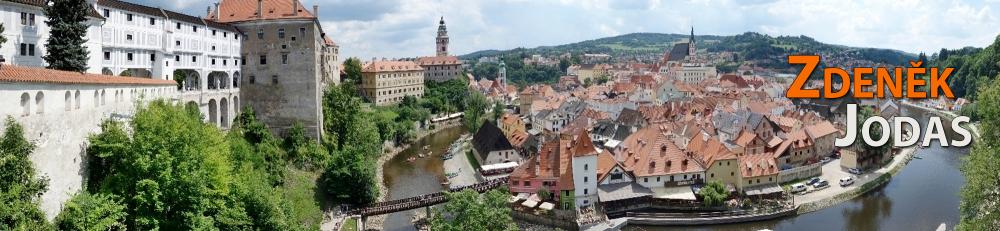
column 691, row 46
column 442, row 39
column 502, row 76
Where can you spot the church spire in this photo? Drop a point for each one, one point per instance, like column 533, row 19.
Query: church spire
column 691, row 43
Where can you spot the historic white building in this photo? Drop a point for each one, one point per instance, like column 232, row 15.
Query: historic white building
column 128, row 39
column 59, row 109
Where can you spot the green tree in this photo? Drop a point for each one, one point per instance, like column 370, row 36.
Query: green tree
column 475, row 108
column 20, row 186
column 352, row 69
column 92, row 212
column 981, row 192
column 468, row 211
column 714, row 193
column 340, row 108
column 2, row 38
column 498, row 108
column 67, row 35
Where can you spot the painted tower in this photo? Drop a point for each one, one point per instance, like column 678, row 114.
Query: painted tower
column 442, row 39
column 502, row 76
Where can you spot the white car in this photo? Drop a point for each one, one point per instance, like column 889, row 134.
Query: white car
column 797, row 188
column 846, row 181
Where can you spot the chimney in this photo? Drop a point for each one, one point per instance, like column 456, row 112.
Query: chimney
column 295, row 8
column 260, row 8
column 218, row 11
column 316, row 10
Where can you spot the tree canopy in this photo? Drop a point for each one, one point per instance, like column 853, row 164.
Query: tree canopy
column 467, row 210
column 20, row 186
column 981, row 192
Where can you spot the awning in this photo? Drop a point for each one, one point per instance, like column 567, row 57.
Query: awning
column 761, row 190
column 529, row 203
column 499, row 166
column 547, row 206
column 675, row 193
column 621, row 191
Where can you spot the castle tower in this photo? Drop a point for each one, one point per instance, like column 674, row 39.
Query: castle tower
column 442, row 39
column 691, row 46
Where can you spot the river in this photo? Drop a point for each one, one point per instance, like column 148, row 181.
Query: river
column 424, row 175
column 923, row 195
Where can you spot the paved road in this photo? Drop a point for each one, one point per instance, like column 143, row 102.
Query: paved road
column 460, row 164
column 832, row 172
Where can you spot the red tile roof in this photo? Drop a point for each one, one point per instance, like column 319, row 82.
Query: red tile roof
column 246, row 10
column 380, row 66
column 9, row 73
column 438, row 60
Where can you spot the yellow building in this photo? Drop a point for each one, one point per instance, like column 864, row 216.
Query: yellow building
column 387, row 82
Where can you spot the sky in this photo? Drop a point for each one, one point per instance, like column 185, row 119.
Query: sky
column 407, row 28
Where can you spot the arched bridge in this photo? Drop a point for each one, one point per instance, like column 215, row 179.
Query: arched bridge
column 387, row 207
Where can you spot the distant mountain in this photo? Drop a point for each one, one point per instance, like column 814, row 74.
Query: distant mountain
column 761, row 49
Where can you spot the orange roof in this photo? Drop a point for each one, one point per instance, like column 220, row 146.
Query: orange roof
column 380, row 66
column 745, row 138
column 821, row 129
column 758, row 165
column 438, row 60
column 246, row 10
column 517, row 138
column 605, row 162
column 9, row 73
column 648, row 152
column 329, row 42
column 583, row 146
column 710, row 149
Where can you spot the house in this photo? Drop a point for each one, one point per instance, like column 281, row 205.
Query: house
column 511, row 124
column 492, row 147
column 720, row 164
column 552, row 170
column 823, row 135
column 657, row 162
column 585, row 167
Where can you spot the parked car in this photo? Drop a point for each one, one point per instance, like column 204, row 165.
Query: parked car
column 854, row 171
column 826, row 160
column 812, row 181
column 846, row 181
column 797, row 188
column 821, row 184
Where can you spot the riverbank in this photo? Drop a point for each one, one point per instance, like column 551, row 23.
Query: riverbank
column 947, row 114
column 375, row 222
column 864, row 183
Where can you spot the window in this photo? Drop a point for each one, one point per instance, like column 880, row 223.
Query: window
column 25, row 104
column 284, row 58
column 243, row 60
column 27, row 19
column 107, row 13
column 68, row 102
column 24, row 49
column 31, row 49
column 213, row 61
column 128, row 56
column 177, row 58
column 213, row 32
column 39, row 103
column 213, row 48
column 128, row 37
column 194, row 59
column 585, row 192
column 107, row 55
column 263, row 60
column 274, row 79
column 585, row 167
column 584, row 179
column 281, row 33
column 77, row 97
column 177, row 43
column 645, row 180
column 194, row 28
column 302, row 31
column 152, row 57
column 253, row 79
column 260, row 33
column 152, row 21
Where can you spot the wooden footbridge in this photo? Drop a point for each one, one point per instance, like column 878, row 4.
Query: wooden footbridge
column 387, row 207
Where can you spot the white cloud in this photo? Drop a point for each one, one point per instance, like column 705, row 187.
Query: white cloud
column 406, row 28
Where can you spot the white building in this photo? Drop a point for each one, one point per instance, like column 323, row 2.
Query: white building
column 129, row 39
column 59, row 109
column 26, row 33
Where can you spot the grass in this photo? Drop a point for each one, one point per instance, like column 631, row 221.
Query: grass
column 472, row 159
column 350, row 224
column 300, row 190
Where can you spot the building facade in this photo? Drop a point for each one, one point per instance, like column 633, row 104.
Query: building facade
column 441, row 67
column 286, row 57
column 388, row 82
